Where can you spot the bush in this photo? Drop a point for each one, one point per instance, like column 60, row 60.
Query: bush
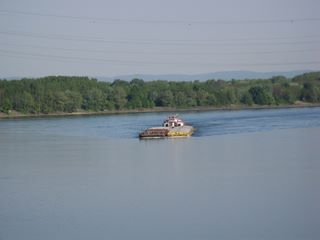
column 260, row 96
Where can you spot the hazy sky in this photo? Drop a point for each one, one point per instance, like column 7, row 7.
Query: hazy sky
column 113, row 37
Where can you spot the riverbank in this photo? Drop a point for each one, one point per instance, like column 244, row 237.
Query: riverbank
column 15, row 114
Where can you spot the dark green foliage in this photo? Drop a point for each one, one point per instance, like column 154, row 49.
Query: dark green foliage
column 164, row 99
column 310, row 92
column 94, row 99
column 260, row 95
column 138, row 95
column 246, row 99
column 73, row 102
column 24, row 103
column 70, row 94
column 307, row 77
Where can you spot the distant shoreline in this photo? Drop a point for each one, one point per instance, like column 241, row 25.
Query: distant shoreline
column 17, row 115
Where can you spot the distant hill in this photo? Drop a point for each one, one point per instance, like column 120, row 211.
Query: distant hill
column 223, row 75
column 226, row 75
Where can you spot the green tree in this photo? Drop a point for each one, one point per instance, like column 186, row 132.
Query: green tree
column 25, row 103
column 165, row 99
column 68, row 94
column 202, row 98
column 73, row 101
column 247, row 98
column 5, row 105
column 94, row 100
column 310, row 92
column 119, row 97
column 59, row 101
column 260, row 96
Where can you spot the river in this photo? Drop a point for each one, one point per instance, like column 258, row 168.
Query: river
column 251, row 174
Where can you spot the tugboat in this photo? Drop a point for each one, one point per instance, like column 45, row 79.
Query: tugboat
column 173, row 126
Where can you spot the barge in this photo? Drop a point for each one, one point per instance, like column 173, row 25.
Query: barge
column 173, row 126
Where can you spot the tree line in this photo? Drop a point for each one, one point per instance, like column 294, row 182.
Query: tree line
column 70, row 94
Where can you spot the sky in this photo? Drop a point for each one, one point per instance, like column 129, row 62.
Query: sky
column 116, row 37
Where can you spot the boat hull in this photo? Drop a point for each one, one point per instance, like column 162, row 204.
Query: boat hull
column 183, row 131
column 172, row 132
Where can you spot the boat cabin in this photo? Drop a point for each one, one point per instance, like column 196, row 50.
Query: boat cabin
column 173, row 121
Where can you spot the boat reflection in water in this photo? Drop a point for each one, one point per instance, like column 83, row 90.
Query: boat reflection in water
column 173, row 126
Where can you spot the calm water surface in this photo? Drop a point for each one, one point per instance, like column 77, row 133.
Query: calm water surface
column 244, row 175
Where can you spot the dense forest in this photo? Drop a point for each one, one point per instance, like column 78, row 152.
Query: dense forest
column 70, row 94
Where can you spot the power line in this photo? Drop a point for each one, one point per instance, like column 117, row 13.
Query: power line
column 145, row 42
column 227, row 39
column 159, row 53
column 121, row 62
column 161, row 21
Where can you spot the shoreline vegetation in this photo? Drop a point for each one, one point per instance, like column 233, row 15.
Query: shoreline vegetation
column 74, row 96
column 17, row 115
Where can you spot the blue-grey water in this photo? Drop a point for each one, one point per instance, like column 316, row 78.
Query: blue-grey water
column 251, row 174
